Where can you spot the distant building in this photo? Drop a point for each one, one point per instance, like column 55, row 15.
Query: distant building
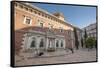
column 91, row 30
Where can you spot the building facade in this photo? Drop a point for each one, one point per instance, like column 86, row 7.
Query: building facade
column 36, row 28
column 91, row 30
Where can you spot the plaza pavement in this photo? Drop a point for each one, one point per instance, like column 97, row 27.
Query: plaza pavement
column 81, row 55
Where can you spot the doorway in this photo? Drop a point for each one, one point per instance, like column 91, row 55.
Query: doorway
column 51, row 43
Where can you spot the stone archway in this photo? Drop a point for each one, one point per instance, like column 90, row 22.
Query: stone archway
column 51, row 42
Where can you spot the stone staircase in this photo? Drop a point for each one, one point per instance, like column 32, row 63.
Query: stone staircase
column 60, row 52
column 31, row 55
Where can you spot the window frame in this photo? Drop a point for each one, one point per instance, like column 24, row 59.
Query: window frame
column 50, row 26
column 62, row 44
column 57, row 43
column 27, row 18
column 33, row 39
column 61, row 29
column 41, row 22
column 40, row 43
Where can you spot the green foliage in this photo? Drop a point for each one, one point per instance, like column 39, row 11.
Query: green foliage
column 85, row 35
column 90, row 42
column 85, row 38
column 82, row 42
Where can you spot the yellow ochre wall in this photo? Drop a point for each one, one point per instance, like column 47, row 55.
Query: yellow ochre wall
column 20, row 14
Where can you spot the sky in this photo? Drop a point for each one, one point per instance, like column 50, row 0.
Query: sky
column 80, row 16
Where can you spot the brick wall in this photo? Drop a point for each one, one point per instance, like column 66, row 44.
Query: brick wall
column 19, row 34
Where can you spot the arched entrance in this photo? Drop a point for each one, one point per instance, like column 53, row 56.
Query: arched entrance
column 51, row 42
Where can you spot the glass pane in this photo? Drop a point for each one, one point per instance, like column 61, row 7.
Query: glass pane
column 27, row 21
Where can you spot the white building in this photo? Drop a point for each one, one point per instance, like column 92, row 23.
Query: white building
column 91, row 30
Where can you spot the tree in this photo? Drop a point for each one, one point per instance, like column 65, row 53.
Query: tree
column 90, row 42
column 82, row 42
column 76, row 39
column 85, row 37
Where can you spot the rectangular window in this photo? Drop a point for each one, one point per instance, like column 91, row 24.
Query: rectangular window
column 41, row 24
column 50, row 26
column 61, row 29
column 27, row 21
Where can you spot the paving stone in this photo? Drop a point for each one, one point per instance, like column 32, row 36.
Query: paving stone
column 82, row 55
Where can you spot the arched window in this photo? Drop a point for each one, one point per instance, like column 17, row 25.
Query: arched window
column 57, row 43
column 33, row 42
column 41, row 43
column 61, row 43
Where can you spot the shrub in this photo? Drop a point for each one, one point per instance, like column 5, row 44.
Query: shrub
column 90, row 42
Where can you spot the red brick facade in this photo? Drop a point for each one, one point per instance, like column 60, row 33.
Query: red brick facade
column 19, row 34
column 36, row 16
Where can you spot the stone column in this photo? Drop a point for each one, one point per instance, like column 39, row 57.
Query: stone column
column 37, row 43
column 55, row 44
column 59, row 44
column 46, row 43
column 64, row 43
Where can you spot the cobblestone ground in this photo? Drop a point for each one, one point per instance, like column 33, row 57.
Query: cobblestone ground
column 81, row 55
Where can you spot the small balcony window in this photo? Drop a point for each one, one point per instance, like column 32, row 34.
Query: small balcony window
column 41, row 24
column 27, row 20
column 61, row 29
column 50, row 26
